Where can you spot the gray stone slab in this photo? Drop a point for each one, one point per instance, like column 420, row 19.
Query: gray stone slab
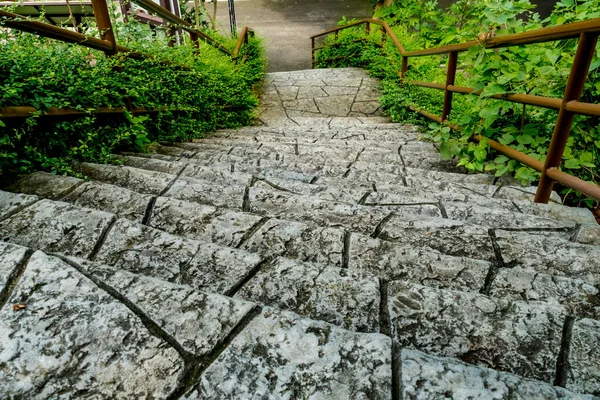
column 557, row 212
column 202, row 222
column 589, row 234
column 315, row 212
column 310, row 92
column 469, row 189
column 523, row 193
column 56, row 227
column 73, row 339
column 298, row 241
column 501, row 218
column 317, row 292
column 424, row 376
column 138, row 180
column 10, row 257
column 205, row 193
column 365, row 107
column 338, row 106
column 477, row 179
column 392, row 261
column 525, row 284
column 113, row 199
column 301, row 105
column 340, row 90
column 170, row 151
column 46, row 185
column 550, row 255
column 282, row 356
column 150, row 252
column 517, row 337
column 347, row 193
column 583, row 373
column 447, row 236
column 152, row 164
column 13, row 202
column 198, row 321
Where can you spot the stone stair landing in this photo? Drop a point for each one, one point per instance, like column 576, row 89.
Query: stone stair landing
column 316, row 256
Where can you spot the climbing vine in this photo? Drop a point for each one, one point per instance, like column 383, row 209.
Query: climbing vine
column 541, row 69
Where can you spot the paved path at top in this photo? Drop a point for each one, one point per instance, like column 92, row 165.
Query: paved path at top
column 288, row 24
column 315, row 257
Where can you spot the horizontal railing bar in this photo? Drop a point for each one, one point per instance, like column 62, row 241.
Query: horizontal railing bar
column 426, row 114
column 21, row 23
column 26, row 112
column 512, row 153
column 578, row 107
column 243, row 37
column 333, row 30
column 540, row 101
column 574, row 183
column 427, row 84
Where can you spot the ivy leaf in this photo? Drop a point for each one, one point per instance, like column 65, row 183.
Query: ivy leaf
column 445, row 151
column 552, row 56
column 493, row 89
column 506, row 139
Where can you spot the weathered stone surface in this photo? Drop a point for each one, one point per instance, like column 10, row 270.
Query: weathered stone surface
column 138, row 180
column 10, row 257
column 150, row 252
column 205, row 193
column 517, row 337
column 425, row 376
column 499, row 218
column 198, row 321
column 557, row 212
column 281, row 356
column 46, row 185
column 520, row 193
column 428, row 175
column 392, row 261
column 317, row 292
column 152, row 164
column 550, row 255
column 56, row 227
column 297, row 241
column 348, row 194
column 335, row 105
column 113, row 199
column 13, row 202
column 525, row 284
column 583, row 374
column 447, row 236
column 315, row 212
column 589, row 234
column 202, row 222
column 73, row 339
column 365, row 107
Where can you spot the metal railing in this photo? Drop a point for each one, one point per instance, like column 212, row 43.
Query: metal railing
column 108, row 44
column 570, row 105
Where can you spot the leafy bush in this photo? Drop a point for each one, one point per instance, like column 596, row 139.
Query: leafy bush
column 541, row 69
column 199, row 91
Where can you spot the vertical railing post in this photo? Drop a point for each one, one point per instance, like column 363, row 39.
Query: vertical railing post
column 564, row 122
column 104, row 24
column 312, row 40
column 404, row 67
column 367, row 27
column 336, row 36
column 194, row 40
column 383, row 36
column 450, row 76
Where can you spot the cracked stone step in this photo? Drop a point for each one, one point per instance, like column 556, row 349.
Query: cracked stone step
column 424, row 376
column 513, row 336
column 13, row 202
column 583, row 374
column 11, row 256
column 72, row 337
column 279, row 355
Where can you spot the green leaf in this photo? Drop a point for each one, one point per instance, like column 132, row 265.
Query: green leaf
column 445, row 151
column 572, row 163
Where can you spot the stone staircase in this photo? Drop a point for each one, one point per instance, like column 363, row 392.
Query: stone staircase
column 325, row 254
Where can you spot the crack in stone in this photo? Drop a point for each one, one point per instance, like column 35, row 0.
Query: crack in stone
column 149, row 211
column 13, row 278
column 364, row 198
column 102, row 239
column 562, row 361
column 246, row 199
column 18, row 210
column 517, row 207
column 384, row 316
column 442, row 209
column 495, row 265
column 251, row 274
column 396, row 371
column 170, row 185
column 575, row 233
column 346, row 250
column 314, row 180
column 252, row 231
column 68, row 191
column 380, row 225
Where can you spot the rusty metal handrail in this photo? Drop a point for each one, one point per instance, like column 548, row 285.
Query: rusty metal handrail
column 568, row 106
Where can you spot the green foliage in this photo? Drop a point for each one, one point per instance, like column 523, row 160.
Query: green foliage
column 541, row 69
column 199, row 91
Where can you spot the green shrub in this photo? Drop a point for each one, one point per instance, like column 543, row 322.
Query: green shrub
column 200, row 91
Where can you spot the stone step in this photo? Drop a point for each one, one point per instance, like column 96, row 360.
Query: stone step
column 413, row 254
column 139, row 336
